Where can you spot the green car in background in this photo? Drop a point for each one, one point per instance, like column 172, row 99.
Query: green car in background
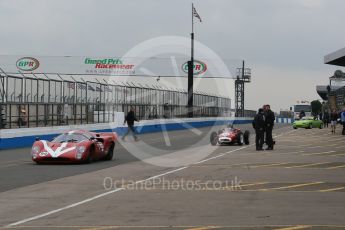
column 308, row 123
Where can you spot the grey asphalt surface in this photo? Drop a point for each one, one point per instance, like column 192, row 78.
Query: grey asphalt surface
column 299, row 185
column 17, row 168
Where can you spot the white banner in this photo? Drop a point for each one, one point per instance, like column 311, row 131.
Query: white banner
column 115, row 66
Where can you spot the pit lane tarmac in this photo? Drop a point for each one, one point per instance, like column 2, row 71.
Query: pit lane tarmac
column 299, row 185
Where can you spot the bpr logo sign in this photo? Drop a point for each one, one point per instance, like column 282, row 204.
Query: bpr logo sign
column 199, row 67
column 27, row 64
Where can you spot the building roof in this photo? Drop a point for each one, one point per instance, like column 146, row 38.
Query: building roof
column 323, row 91
column 336, row 58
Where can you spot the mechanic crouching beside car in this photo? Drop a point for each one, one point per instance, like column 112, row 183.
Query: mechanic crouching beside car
column 259, row 126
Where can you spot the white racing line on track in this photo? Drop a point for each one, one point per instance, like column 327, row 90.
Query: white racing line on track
column 121, row 189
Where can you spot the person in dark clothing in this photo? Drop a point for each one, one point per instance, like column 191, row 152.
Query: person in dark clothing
column 342, row 118
column 130, row 118
column 259, row 126
column 301, row 114
column 326, row 119
column 334, row 118
column 269, row 123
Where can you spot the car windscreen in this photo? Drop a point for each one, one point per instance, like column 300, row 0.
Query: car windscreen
column 307, row 118
column 70, row 137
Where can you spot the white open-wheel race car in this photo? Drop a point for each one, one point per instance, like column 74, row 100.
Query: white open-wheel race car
column 230, row 136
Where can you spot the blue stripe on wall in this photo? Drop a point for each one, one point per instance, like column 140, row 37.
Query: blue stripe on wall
column 20, row 142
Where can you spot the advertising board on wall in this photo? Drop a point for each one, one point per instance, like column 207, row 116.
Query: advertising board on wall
column 112, row 66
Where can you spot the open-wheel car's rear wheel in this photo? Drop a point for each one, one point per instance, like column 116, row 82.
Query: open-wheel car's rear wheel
column 246, row 137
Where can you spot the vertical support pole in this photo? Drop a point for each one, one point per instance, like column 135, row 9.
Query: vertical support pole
column 191, row 71
column 239, row 92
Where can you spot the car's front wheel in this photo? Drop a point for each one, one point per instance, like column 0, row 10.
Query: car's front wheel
column 214, row 138
column 90, row 156
column 310, row 126
column 240, row 139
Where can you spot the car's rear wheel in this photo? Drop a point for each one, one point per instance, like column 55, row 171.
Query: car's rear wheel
column 110, row 153
column 321, row 126
column 240, row 139
column 214, row 138
column 246, row 137
column 294, row 127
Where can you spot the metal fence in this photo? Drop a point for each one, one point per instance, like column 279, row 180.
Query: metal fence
column 35, row 100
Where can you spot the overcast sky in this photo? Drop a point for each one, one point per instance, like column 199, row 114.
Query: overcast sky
column 283, row 41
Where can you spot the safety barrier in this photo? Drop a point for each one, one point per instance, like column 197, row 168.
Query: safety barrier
column 284, row 120
column 24, row 137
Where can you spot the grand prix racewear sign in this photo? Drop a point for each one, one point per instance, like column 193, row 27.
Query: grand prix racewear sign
column 112, row 66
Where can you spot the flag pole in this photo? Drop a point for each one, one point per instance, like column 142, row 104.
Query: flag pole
column 191, row 70
column 192, row 18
